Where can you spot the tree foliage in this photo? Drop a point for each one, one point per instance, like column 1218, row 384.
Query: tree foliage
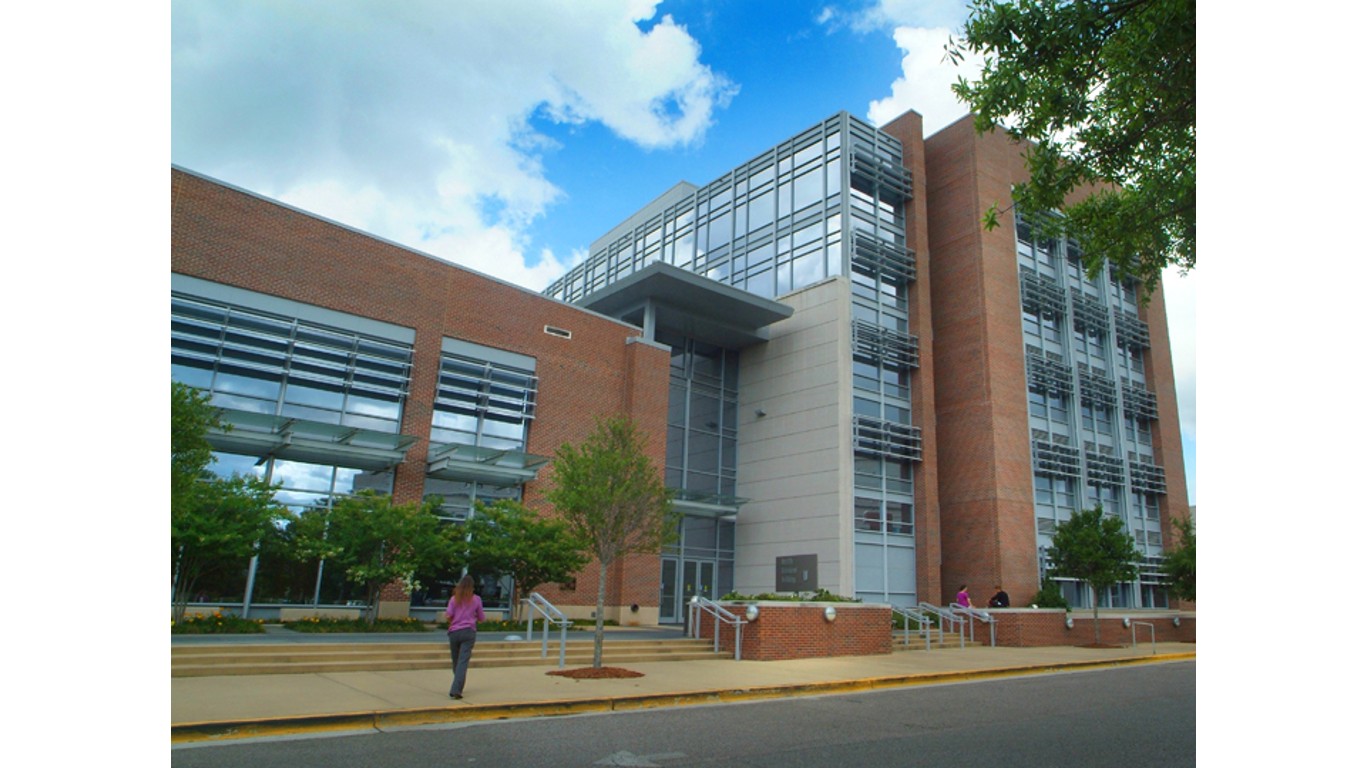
column 507, row 538
column 376, row 542
column 1105, row 94
column 191, row 419
column 1094, row 548
column 613, row 499
column 215, row 522
column 1180, row 560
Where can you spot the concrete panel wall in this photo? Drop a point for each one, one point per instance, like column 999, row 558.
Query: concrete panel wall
column 795, row 462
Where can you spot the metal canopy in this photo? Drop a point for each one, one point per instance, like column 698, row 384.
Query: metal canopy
column 679, row 301
column 706, row 504
column 503, row 468
column 266, row 436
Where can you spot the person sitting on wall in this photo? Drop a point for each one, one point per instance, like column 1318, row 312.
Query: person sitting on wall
column 1000, row 599
column 963, row 599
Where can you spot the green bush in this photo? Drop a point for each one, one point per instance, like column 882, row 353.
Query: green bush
column 323, row 626
column 217, row 624
column 1050, row 596
column 819, row 596
column 515, row 626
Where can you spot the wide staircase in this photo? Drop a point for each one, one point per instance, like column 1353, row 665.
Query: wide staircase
column 203, row 660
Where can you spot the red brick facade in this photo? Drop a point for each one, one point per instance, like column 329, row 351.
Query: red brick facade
column 985, row 470
column 800, row 631
column 232, row 237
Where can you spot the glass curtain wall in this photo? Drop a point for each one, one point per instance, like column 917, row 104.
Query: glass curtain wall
column 249, row 360
column 885, row 442
column 1090, row 410
column 482, row 404
column 826, row 202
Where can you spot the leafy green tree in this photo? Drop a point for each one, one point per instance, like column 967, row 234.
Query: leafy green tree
column 376, row 542
column 215, row 522
column 219, row 528
column 1180, row 561
column 613, row 498
column 1104, row 91
column 507, row 538
column 1094, row 548
column 191, row 419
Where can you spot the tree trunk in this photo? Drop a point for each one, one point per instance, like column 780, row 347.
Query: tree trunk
column 1095, row 611
column 602, row 605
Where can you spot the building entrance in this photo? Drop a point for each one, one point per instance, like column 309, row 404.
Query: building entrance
column 679, row 581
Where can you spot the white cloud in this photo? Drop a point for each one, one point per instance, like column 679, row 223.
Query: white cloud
column 926, row 77
column 413, row 120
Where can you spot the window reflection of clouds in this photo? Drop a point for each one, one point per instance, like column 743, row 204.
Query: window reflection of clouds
column 301, row 476
column 228, row 464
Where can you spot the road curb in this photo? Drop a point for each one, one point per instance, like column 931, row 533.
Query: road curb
column 378, row 720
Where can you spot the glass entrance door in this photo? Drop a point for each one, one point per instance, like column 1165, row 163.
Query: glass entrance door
column 678, row 585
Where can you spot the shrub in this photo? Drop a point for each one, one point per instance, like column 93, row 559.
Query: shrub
column 217, row 624
column 819, row 596
column 323, row 626
column 1050, row 596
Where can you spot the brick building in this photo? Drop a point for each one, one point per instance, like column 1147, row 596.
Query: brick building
column 848, row 383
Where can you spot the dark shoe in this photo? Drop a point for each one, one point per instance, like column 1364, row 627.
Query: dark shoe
column 456, row 696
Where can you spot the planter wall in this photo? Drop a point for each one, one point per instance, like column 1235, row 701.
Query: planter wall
column 789, row 630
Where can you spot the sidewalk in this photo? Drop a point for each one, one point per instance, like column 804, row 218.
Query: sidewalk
column 234, row 707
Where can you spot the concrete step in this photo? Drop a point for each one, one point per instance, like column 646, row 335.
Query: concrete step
column 205, row 660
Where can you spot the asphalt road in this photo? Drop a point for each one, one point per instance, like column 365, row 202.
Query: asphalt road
column 1130, row 716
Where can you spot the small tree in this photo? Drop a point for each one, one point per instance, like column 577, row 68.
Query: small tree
column 376, row 542
column 507, row 538
column 218, row 528
column 215, row 522
column 1094, row 548
column 613, row 498
column 1180, row 561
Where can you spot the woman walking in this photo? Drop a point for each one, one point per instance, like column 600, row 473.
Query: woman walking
column 465, row 611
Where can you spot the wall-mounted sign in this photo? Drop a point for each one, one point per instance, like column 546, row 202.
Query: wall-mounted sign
column 796, row 573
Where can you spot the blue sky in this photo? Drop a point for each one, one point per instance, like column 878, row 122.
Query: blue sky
column 506, row 136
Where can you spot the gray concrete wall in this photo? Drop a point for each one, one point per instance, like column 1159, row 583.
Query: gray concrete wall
column 796, row 462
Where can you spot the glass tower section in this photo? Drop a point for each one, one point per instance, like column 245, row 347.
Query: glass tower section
column 827, row 202
column 1090, row 408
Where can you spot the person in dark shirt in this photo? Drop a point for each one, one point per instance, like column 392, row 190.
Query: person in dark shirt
column 1000, row 599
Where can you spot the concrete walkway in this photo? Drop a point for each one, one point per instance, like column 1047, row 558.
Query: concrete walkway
column 249, row 706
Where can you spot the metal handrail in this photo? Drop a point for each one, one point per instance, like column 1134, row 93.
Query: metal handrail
column 552, row 614
column 981, row 615
column 926, row 624
column 699, row 604
column 1133, row 633
column 946, row 616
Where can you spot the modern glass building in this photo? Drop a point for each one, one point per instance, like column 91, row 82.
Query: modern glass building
column 819, row 223
column 848, row 383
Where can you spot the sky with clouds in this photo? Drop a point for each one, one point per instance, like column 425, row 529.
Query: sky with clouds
column 506, row 136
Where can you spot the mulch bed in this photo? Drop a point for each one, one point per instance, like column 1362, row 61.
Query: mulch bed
column 595, row 673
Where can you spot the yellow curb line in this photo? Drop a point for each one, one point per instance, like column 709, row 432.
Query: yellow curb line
column 183, row 733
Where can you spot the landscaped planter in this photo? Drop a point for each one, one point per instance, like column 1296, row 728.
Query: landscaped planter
column 792, row 630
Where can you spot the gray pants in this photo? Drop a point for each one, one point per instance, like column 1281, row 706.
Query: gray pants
column 462, row 645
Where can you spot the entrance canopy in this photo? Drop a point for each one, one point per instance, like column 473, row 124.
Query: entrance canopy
column 662, row 297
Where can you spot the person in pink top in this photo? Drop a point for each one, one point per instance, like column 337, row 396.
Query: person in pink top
column 465, row 610
column 962, row 598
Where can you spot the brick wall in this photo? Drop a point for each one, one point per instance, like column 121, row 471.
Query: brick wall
column 229, row 236
column 800, row 631
column 1026, row 628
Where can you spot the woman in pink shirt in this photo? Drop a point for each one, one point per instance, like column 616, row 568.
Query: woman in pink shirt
column 465, row 611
